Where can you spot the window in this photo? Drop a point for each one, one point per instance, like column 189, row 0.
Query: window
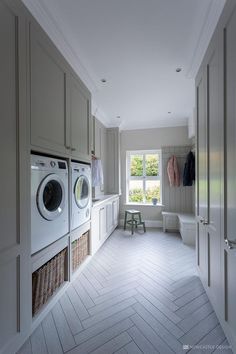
column 143, row 176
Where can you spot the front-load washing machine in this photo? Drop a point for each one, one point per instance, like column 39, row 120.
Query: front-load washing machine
column 81, row 198
column 49, row 201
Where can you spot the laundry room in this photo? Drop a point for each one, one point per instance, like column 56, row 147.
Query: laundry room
column 118, row 168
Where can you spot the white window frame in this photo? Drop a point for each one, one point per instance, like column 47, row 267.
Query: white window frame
column 143, row 178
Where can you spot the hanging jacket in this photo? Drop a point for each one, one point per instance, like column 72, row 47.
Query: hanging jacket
column 173, row 172
column 189, row 170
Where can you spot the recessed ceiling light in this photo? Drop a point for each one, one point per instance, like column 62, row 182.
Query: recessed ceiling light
column 103, row 81
column 178, row 70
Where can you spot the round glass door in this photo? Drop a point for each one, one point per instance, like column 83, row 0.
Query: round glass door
column 51, row 197
column 81, row 191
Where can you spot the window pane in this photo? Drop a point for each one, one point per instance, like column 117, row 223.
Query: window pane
column 152, row 165
column 136, row 191
column 152, row 191
column 136, row 165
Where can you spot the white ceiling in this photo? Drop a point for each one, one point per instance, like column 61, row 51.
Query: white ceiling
column 136, row 45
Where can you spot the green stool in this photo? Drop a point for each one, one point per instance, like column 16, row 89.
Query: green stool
column 134, row 221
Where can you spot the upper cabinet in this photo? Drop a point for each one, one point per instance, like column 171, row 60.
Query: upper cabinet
column 113, row 160
column 80, row 108
column 60, row 104
column 48, row 75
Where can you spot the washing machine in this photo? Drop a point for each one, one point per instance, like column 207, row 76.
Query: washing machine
column 81, row 198
column 49, row 201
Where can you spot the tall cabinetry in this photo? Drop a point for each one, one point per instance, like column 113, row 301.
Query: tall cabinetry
column 216, row 166
column 15, row 302
column 106, row 146
column 60, row 104
column 113, row 160
column 99, row 148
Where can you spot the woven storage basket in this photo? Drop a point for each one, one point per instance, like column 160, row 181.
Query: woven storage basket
column 80, row 249
column 47, row 279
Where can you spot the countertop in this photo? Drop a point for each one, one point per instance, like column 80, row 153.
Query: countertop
column 103, row 198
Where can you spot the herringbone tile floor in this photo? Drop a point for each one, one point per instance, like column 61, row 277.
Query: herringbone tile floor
column 138, row 294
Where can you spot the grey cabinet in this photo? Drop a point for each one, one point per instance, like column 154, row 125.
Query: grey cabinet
column 80, row 112
column 60, row 104
column 97, row 137
column 113, row 160
column 102, row 223
column 48, row 81
column 100, row 148
column 216, row 166
column 202, row 176
column 15, row 304
column 104, row 219
column 228, row 34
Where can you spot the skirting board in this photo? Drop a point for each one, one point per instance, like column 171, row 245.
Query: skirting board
column 148, row 223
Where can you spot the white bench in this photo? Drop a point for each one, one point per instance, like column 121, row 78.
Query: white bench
column 185, row 223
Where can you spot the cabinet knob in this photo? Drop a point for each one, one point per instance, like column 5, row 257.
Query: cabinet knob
column 67, row 147
column 230, row 244
column 203, row 221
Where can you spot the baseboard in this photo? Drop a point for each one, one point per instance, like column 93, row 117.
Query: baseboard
column 148, row 223
column 228, row 333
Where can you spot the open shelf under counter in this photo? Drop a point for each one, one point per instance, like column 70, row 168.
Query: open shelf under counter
column 40, row 258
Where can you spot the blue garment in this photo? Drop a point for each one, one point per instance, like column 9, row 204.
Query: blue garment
column 189, row 170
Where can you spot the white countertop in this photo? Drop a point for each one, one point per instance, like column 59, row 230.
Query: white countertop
column 103, row 198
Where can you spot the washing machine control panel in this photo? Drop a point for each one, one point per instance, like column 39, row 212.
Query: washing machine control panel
column 52, row 163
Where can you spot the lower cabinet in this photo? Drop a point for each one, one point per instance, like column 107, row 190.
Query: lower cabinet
column 104, row 220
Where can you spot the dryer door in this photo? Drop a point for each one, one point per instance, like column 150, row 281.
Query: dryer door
column 82, row 191
column 51, row 197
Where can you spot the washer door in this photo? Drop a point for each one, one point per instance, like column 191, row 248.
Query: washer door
column 51, row 197
column 82, row 191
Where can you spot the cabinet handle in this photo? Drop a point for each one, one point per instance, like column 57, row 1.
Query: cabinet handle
column 203, row 221
column 73, row 149
column 67, row 147
column 230, row 244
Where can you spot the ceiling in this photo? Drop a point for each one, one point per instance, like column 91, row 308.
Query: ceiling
column 136, row 45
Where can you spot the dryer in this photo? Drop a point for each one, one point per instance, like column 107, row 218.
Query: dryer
column 81, row 199
column 49, row 201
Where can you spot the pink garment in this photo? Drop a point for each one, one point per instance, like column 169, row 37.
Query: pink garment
column 173, row 172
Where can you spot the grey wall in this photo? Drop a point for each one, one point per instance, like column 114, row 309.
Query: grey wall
column 148, row 139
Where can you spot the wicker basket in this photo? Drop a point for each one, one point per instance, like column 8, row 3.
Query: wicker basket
column 47, row 279
column 80, row 249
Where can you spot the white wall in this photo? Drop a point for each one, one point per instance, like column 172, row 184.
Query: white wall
column 148, row 139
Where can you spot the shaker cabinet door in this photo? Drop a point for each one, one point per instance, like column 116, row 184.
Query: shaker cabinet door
column 47, row 93
column 229, row 178
column 215, row 164
column 15, row 306
column 80, row 102
column 202, row 178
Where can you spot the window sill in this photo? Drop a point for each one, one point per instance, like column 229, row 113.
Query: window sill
column 146, row 205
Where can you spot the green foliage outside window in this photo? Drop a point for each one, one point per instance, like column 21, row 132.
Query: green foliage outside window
column 136, row 195
column 136, row 165
column 152, row 193
column 151, row 165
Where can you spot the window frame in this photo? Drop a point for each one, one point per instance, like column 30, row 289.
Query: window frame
column 142, row 178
